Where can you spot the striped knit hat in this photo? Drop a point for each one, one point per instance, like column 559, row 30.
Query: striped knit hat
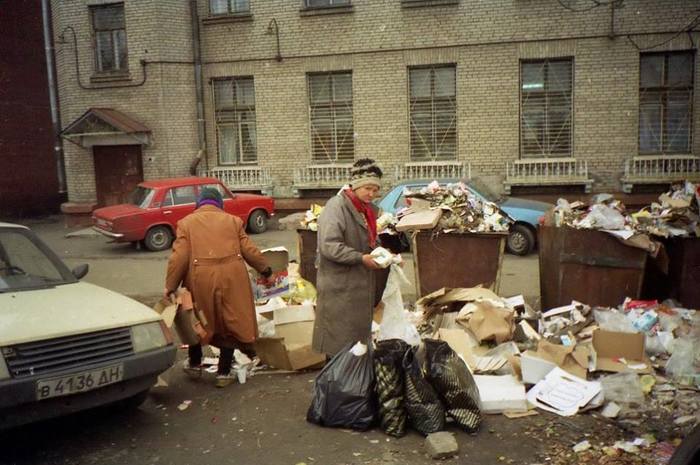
column 365, row 172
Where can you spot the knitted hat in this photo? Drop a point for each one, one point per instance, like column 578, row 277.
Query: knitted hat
column 210, row 196
column 365, row 172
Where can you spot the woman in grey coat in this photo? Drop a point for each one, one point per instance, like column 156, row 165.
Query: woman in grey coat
column 347, row 233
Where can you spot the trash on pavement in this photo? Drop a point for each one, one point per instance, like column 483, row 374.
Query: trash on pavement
column 500, row 394
column 622, row 388
column 562, row 393
column 618, row 352
column 276, row 285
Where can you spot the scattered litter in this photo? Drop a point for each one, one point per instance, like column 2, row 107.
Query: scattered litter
column 184, row 405
column 582, row 446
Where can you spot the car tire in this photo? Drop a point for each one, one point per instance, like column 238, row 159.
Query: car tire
column 158, row 238
column 521, row 240
column 257, row 222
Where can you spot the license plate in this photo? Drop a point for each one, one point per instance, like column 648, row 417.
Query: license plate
column 79, row 382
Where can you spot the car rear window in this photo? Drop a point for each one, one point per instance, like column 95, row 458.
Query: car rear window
column 182, row 195
column 218, row 187
column 141, row 196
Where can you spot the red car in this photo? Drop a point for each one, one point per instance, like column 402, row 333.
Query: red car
column 157, row 206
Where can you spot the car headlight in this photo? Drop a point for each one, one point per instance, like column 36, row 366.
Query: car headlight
column 149, row 336
column 4, row 372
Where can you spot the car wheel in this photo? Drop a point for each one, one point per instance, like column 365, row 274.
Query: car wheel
column 158, row 238
column 521, row 240
column 257, row 222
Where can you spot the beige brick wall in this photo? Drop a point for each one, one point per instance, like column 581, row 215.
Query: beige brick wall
column 377, row 41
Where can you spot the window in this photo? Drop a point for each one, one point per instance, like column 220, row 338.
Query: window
column 546, row 108
column 322, row 3
column 180, row 196
column 110, row 38
column 330, row 110
column 665, row 102
column 433, row 113
column 227, row 7
column 234, row 102
column 224, row 193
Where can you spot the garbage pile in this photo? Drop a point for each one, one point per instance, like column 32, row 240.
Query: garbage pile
column 453, row 208
column 638, row 364
column 385, row 222
column 675, row 214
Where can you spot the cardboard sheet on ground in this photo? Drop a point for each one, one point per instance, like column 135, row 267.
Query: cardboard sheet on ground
column 489, row 322
column 561, row 393
column 618, row 352
column 573, row 359
column 501, row 394
column 290, row 348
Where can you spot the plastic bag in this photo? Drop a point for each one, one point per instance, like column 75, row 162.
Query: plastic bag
column 423, row 405
column 394, row 323
column 301, row 291
column 682, row 360
column 344, row 392
column 390, row 385
column 451, row 378
column 623, row 388
column 612, row 320
column 603, row 217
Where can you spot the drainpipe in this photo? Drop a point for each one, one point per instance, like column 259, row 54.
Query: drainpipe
column 197, row 54
column 55, row 118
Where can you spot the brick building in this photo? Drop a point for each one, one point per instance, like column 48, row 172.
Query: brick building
column 529, row 95
column 29, row 177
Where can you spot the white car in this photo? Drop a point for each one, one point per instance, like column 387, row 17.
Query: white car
column 67, row 345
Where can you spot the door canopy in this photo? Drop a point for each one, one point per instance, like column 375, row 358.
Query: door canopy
column 105, row 126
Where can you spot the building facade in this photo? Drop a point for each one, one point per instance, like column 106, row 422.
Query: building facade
column 529, row 95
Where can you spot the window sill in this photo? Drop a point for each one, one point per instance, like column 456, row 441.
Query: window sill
column 232, row 18
column 425, row 3
column 326, row 10
column 99, row 78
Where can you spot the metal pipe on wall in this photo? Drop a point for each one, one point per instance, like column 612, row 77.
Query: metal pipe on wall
column 53, row 101
column 197, row 55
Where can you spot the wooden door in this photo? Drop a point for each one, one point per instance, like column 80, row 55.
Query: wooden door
column 118, row 170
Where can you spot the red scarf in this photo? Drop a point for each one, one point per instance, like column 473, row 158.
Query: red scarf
column 368, row 213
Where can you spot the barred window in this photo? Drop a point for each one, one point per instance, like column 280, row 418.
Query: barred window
column 330, row 111
column 666, row 102
column 110, row 37
column 226, row 7
column 234, row 104
column 546, row 108
column 433, row 113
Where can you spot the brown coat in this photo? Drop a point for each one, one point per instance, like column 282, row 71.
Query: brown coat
column 209, row 256
column 345, row 287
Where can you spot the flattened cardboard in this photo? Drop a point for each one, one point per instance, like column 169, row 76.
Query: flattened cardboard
column 489, row 322
column 460, row 342
column 573, row 359
column 290, row 349
column 611, row 347
column 423, row 219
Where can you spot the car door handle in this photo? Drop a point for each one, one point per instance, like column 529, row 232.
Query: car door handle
column 167, row 212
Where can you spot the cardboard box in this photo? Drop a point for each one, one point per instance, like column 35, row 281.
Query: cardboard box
column 422, row 219
column 278, row 259
column 290, row 348
column 618, row 352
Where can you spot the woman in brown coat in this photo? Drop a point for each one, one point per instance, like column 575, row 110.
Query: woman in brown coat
column 347, row 233
column 208, row 258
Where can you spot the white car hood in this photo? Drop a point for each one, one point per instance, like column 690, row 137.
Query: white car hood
column 65, row 310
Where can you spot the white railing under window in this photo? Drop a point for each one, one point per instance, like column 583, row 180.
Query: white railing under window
column 433, row 170
column 321, row 177
column 547, row 172
column 653, row 169
column 241, row 178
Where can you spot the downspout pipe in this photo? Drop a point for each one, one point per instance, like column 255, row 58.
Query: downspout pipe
column 197, row 55
column 53, row 101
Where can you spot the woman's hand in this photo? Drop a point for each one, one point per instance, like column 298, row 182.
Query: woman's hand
column 369, row 262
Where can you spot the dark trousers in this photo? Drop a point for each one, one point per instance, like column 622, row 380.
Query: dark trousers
column 225, row 358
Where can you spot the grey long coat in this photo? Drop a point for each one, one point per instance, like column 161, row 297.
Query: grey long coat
column 345, row 287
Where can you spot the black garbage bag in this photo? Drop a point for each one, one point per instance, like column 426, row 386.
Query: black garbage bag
column 451, row 378
column 423, row 406
column 344, row 392
column 390, row 385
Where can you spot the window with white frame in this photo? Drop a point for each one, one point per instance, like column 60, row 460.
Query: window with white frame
column 330, row 114
column 322, row 3
column 228, row 7
column 109, row 31
column 234, row 107
column 666, row 102
column 433, row 113
column 546, row 104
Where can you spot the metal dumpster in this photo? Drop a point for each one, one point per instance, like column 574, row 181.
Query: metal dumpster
column 681, row 281
column 589, row 266
column 457, row 260
column 307, row 241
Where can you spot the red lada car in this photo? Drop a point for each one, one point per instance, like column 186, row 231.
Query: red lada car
column 157, row 206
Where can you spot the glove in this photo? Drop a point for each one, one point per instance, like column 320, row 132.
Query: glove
column 266, row 273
